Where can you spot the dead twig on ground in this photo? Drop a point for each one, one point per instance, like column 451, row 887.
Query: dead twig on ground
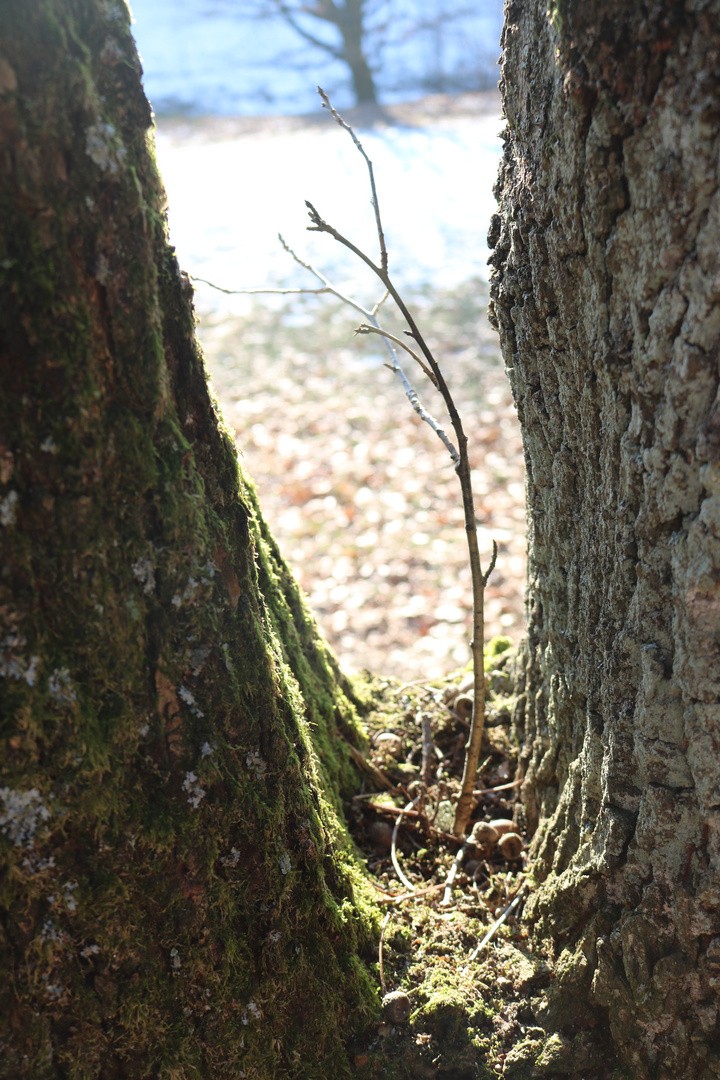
column 457, row 863
column 401, row 897
column 500, row 787
column 498, row 922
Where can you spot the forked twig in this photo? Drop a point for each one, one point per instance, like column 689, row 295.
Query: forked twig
column 365, row 329
column 370, row 315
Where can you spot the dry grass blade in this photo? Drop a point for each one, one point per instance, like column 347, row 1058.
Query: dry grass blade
column 393, row 849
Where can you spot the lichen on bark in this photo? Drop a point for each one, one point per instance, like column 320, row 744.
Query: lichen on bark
column 606, row 295
column 179, row 897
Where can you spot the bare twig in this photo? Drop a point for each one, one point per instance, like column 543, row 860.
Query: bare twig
column 395, row 363
column 381, row 301
column 500, row 787
column 493, row 560
column 256, row 292
column 376, row 206
column 364, row 329
column 498, row 922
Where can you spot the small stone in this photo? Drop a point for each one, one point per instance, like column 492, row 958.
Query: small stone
column 484, row 834
column 384, row 1030
column 396, row 1007
column 380, row 834
column 502, row 825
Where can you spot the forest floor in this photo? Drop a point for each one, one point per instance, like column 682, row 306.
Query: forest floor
column 359, row 492
column 462, row 1014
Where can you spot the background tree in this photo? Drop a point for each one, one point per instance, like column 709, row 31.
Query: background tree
column 386, row 46
column 177, row 896
column 606, row 293
column 352, row 21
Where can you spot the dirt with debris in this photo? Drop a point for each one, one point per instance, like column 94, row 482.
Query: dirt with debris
column 448, row 1012
column 465, row 987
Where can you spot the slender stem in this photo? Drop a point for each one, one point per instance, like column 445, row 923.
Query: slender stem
column 427, row 750
column 479, row 579
column 376, row 205
column 457, row 863
column 256, row 292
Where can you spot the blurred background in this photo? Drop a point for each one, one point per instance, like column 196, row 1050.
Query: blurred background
column 360, row 494
column 226, row 57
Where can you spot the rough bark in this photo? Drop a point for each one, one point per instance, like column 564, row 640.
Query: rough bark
column 177, row 897
column 606, row 293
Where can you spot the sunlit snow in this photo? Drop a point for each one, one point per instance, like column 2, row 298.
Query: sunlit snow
column 230, row 198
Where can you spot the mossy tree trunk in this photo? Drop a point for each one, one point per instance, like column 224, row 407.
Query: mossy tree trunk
column 176, row 892
column 607, row 295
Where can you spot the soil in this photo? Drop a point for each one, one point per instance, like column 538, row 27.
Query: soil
column 466, row 1013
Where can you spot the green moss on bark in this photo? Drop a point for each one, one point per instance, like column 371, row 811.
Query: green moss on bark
column 179, row 898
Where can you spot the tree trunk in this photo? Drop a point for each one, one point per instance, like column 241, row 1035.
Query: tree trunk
column 350, row 22
column 606, row 293
column 362, row 77
column 178, row 897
